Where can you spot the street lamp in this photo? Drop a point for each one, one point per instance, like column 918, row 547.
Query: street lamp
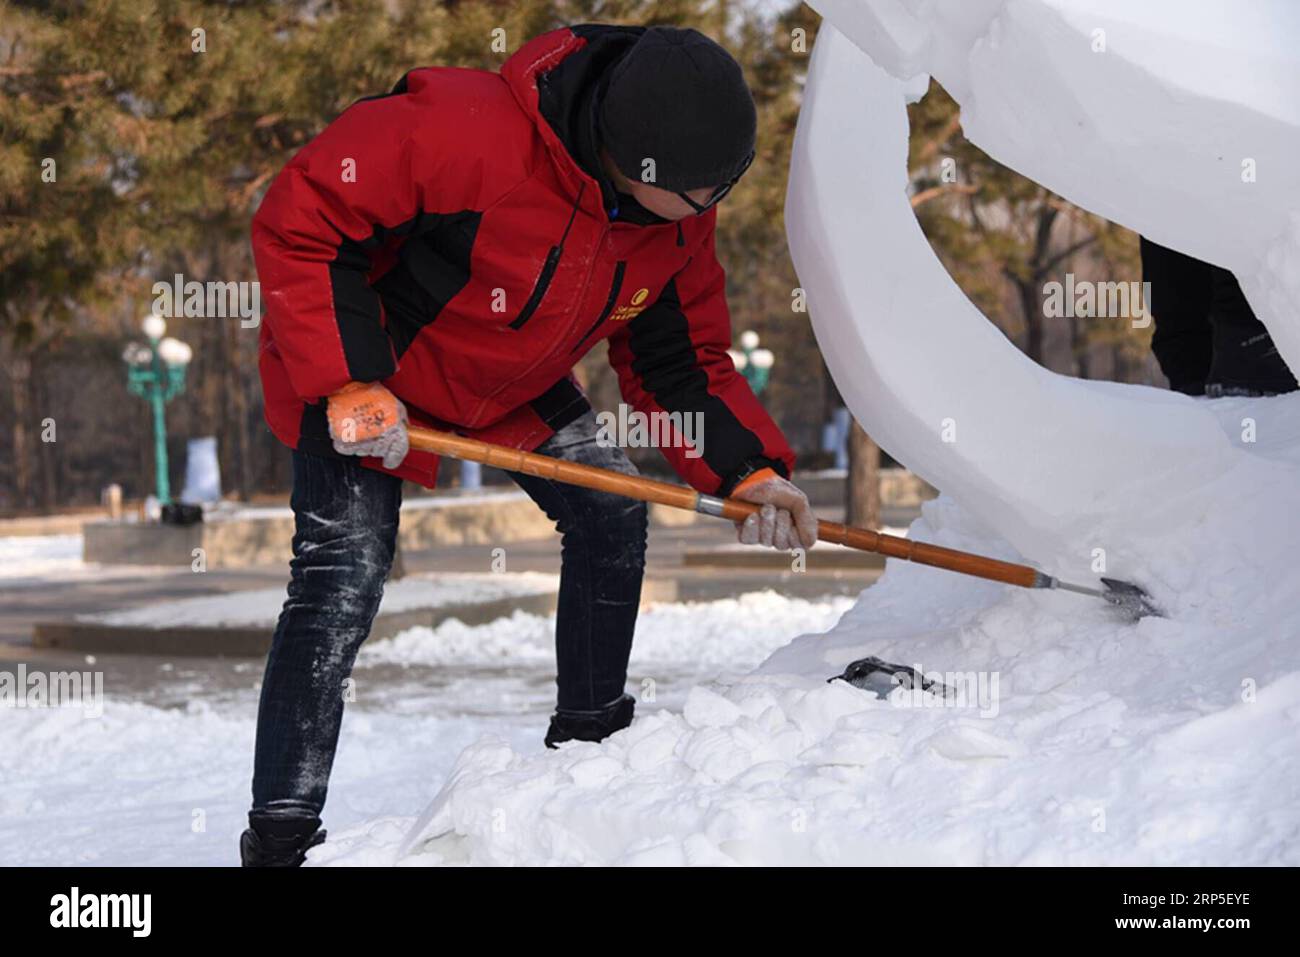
column 156, row 373
column 753, row 363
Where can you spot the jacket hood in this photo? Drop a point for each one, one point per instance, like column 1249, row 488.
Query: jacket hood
column 559, row 79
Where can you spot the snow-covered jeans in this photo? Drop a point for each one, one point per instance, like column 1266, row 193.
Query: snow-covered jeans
column 346, row 519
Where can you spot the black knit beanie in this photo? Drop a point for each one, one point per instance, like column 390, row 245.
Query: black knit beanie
column 678, row 98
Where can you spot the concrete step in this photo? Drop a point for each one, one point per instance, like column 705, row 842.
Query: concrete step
column 263, row 536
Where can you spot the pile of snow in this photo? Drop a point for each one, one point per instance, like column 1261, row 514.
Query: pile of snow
column 730, row 634
column 1081, row 740
column 1172, row 741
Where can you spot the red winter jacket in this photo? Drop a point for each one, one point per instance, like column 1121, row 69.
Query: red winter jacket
column 457, row 241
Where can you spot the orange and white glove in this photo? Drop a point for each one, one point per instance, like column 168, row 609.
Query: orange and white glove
column 366, row 419
column 786, row 520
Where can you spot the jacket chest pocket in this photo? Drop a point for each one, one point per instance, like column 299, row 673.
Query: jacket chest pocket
column 539, row 289
column 549, row 266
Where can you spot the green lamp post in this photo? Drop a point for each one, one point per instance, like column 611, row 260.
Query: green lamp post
column 156, row 373
column 753, row 363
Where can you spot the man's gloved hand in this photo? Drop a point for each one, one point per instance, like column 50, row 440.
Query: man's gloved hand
column 786, row 521
column 366, row 419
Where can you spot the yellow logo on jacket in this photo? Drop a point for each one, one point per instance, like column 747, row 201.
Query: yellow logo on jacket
column 637, row 304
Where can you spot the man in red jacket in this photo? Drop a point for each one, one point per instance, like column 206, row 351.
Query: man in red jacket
column 445, row 254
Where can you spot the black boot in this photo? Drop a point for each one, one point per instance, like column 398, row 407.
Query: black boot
column 280, row 837
column 590, row 725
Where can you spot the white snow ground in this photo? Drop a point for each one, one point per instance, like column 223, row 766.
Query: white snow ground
column 1172, row 741
column 127, row 787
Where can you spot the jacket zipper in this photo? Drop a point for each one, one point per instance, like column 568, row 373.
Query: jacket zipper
column 543, row 283
column 599, row 245
column 548, row 269
column 614, row 289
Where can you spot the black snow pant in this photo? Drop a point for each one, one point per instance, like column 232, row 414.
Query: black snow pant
column 1206, row 337
column 346, row 519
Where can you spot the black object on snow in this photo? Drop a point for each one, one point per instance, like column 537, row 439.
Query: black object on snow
column 882, row 677
column 1131, row 599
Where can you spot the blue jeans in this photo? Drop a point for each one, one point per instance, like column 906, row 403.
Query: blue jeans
column 346, row 519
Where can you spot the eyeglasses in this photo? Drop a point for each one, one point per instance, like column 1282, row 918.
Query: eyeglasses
column 716, row 196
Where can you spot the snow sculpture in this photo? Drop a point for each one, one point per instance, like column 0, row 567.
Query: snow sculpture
column 1141, row 131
